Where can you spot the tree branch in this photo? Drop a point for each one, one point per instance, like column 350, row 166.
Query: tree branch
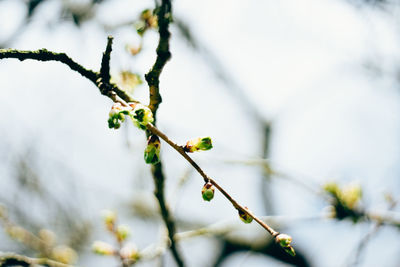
column 153, row 80
column 159, row 180
column 45, row 55
column 105, row 62
column 163, row 54
column 11, row 259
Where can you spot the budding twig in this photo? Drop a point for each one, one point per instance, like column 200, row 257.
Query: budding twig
column 207, row 178
column 117, row 95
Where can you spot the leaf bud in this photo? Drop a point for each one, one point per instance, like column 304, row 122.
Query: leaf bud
column 284, row 240
column 122, row 232
column 244, row 216
column 200, row 143
column 152, row 151
column 129, row 252
column 109, row 218
column 102, row 248
column 207, row 191
column 64, row 254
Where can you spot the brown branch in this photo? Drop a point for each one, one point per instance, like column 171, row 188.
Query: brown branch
column 163, row 54
column 105, row 61
column 153, row 80
column 11, row 259
column 45, row 55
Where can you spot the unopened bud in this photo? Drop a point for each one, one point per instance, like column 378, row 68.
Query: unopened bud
column 129, row 252
column 64, row 254
column 48, row 237
column 244, row 216
column 146, row 14
column 152, row 151
column 284, row 240
column 102, row 248
column 207, row 191
column 17, row 233
column 201, row 143
column 122, row 232
column 133, row 50
column 149, row 18
column 109, row 218
column 141, row 27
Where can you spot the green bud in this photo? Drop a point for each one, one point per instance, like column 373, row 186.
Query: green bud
column 284, row 240
column 152, row 151
column 244, row 216
column 117, row 115
column 197, row 144
column 141, row 116
column 102, row 248
column 122, row 232
column 207, row 191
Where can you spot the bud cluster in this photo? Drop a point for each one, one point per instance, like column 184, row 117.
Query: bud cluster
column 139, row 114
column 128, row 252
